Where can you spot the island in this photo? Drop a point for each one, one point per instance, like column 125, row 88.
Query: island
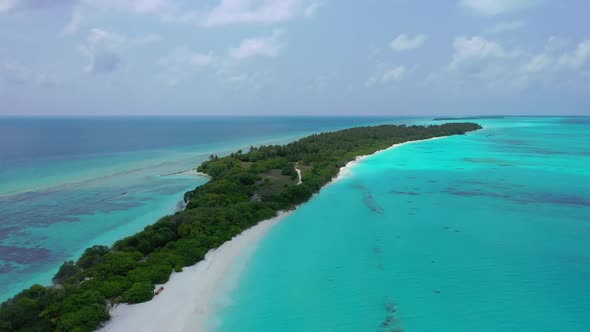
column 244, row 189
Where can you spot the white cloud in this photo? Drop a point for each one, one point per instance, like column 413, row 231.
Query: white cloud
column 222, row 12
column 386, row 75
column 577, row 59
column 229, row 12
column 546, row 60
column 312, row 9
column 183, row 63
column 538, row 63
column 101, row 49
column 474, row 50
column 554, row 65
column 8, row 6
column 506, row 26
column 13, row 73
column 134, row 6
column 75, row 22
column 481, row 63
column 497, row 7
column 104, row 39
column 395, row 74
column 554, row 59
column 269, row 46
column 404, row 43
column 181, row 57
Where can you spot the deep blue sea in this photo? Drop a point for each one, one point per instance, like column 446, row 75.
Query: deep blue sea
column 485, row 232
column 70, row 183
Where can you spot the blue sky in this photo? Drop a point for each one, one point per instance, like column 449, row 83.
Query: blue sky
column 294, row 57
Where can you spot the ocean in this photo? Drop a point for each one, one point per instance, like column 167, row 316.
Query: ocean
column 68, row 183
column 483, row 232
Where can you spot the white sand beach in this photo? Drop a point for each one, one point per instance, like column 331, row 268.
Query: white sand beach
column 188, row 297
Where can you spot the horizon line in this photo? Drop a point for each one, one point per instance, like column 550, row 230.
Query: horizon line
column 4, row 116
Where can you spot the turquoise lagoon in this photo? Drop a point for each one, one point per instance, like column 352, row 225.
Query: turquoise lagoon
column 483, row 232
column 69, row 183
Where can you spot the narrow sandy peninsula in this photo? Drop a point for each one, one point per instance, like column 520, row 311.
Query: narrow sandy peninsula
column 186, row 301
column 220, row 226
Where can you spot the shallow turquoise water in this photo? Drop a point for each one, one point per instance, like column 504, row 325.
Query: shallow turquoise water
column 483, row 232
column 69, row 183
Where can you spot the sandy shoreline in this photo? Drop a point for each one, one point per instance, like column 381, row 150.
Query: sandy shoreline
column 344, row 171
column 188, row 297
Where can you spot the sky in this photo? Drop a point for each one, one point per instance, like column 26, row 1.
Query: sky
column 294, row 57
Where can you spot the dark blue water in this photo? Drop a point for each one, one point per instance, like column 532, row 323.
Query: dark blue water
column 31, row 138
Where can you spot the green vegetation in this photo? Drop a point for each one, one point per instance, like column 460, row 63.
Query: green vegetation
column 245, row 188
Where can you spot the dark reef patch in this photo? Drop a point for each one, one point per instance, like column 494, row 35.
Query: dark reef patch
column 114, row 197
column 390, row 323
column 7, row 231
column 23, row 255
column 368, row 198
column 5, row 268
column 372, row 204
column 359, row 186
column 451, row 229
column 58, row 206
column 408, row 193
column 526, row 197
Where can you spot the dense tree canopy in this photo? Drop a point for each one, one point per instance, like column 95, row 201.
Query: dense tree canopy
column 245, row 188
